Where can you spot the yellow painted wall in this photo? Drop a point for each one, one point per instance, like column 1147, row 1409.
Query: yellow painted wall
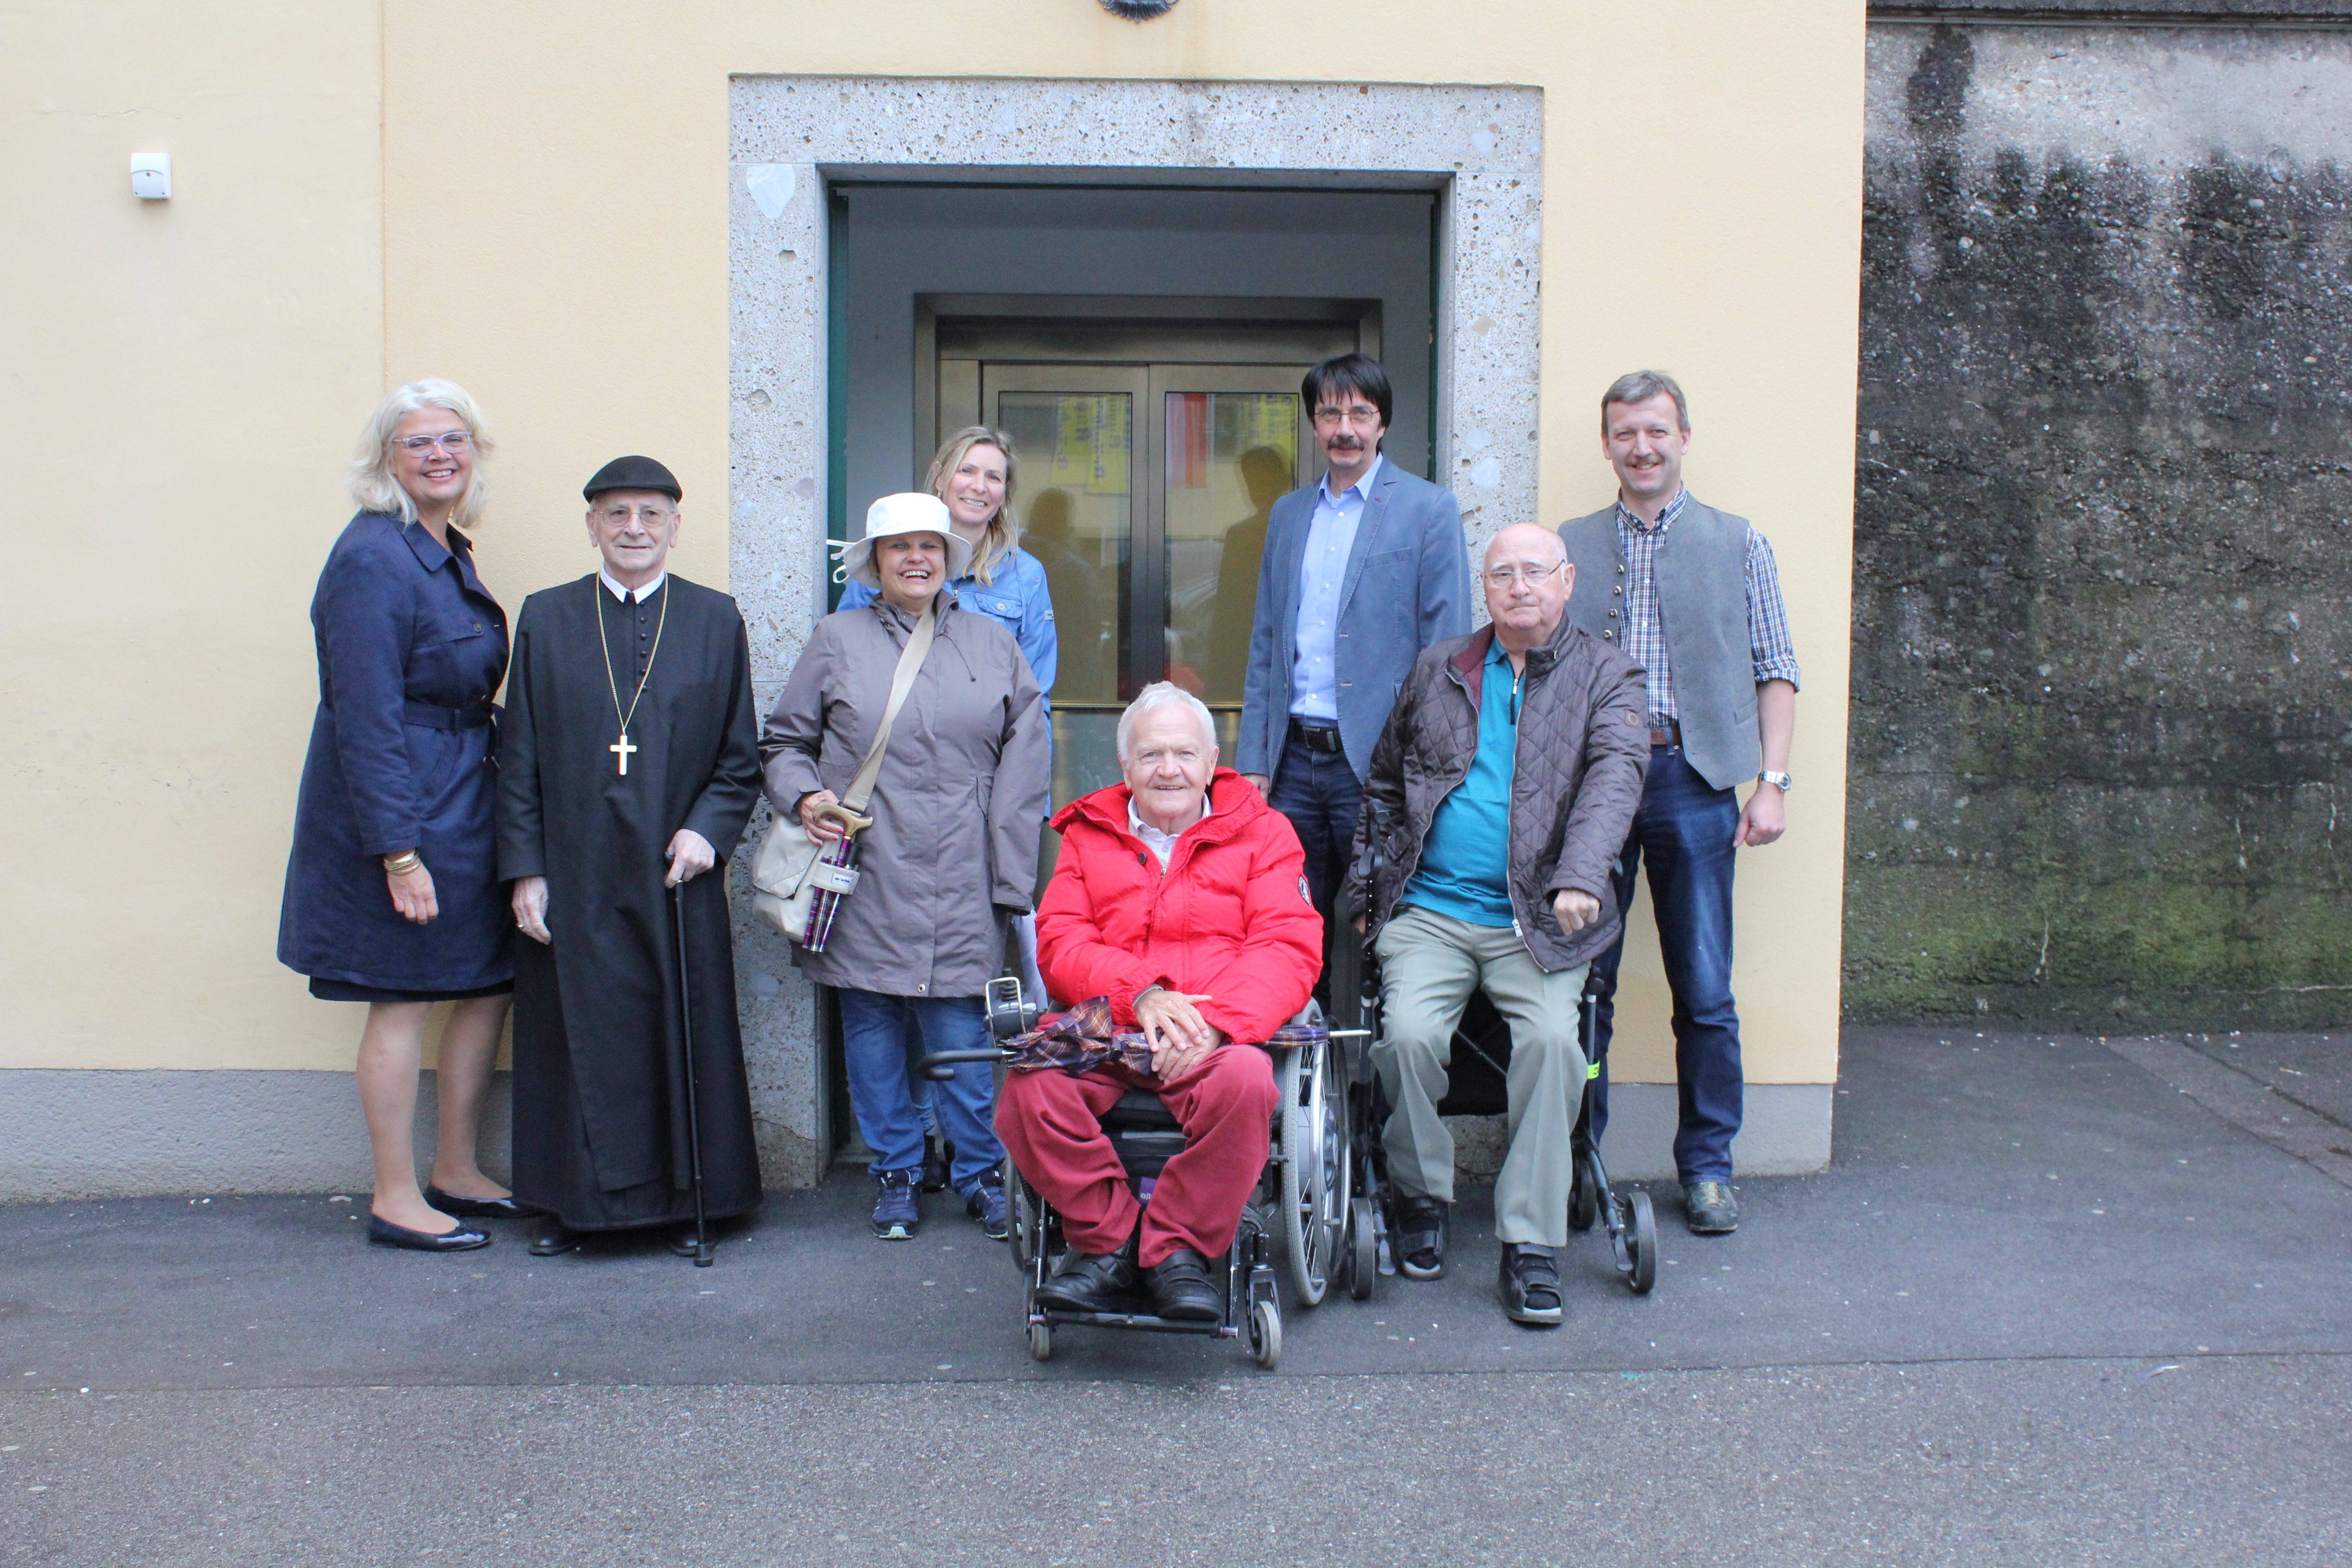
column 553, row 234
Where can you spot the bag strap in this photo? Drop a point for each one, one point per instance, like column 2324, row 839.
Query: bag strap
column 902, row 681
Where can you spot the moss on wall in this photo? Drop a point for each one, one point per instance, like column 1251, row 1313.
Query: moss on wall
column 2104, row 540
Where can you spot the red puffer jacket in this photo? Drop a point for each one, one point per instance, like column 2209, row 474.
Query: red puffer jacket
column 1230, row 917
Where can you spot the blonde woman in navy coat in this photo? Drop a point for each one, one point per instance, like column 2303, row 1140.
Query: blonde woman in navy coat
column 391, row 891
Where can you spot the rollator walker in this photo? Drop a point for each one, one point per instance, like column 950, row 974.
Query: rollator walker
column 1475, row 1085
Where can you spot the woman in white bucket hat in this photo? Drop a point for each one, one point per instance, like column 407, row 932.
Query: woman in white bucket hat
column 956, row 809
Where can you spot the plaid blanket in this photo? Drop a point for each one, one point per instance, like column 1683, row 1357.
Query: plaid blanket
column 1082, row 1039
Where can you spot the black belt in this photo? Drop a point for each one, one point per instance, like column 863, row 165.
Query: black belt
column 431, row 718
column 1324, row 738
column 1671, row 735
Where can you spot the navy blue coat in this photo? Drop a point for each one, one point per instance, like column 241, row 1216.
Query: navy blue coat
column 411, row 649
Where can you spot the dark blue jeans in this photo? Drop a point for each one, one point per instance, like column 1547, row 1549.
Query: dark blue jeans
column 1684, row 830
column 1320, row 794
column 881, row 1036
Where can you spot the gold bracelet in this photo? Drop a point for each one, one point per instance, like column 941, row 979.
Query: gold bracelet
column 402, row 864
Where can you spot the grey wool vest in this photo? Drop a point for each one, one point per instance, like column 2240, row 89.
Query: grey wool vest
column 1702, row 569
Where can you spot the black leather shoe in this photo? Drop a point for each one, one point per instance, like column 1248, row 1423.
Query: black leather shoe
column 1089, row 1282
column 382, row 1232
column 1182, row 1290
column 477, row 1208
column 1418, row 1235
column 553, row 1237
column 1529, row 1286
column 681, row 1239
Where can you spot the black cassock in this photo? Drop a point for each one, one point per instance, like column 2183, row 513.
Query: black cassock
column 600, row 1110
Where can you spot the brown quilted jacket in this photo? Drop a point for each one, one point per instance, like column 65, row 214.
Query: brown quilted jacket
column 1583, row 750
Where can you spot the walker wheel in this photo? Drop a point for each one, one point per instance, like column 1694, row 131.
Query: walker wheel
column 1265, row 1334
column 1363, row 1250
column 1041, row 1341
column 1584, row 1202
column 1644, row 1243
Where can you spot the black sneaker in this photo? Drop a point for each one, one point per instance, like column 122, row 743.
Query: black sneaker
column 939, row 1154
column 1420, row 1230
column 1710, row 1208
column 894, row 1215
column 1529, row 1286
column 985, row 1202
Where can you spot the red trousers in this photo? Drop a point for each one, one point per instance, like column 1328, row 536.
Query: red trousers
column 1051, row 1124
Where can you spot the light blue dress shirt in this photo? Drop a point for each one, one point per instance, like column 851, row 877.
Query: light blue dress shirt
column 1322, row 573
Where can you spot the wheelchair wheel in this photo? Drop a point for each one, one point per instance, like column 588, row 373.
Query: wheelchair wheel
column 1021, row 1205
column 1318, row 1176
column 1642, row 1245
column 1041, row 1341
column 1363, row 1249
column 1265, row 1334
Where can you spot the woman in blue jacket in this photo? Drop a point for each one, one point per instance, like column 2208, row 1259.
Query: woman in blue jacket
column 391, row 897
column 976, row 473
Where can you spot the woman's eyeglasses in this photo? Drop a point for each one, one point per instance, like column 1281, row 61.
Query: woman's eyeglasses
column 449, row 440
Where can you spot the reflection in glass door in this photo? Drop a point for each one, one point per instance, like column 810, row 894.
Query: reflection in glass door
column 1151, row 537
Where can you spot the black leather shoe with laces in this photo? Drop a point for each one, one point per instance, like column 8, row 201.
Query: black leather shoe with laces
column 1529, row 1286
column 1710, row 1208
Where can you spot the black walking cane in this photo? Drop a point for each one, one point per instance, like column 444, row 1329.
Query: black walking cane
column 702, row 1257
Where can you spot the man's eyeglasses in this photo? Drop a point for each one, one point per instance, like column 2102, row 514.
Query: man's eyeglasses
column 451, row 440
column 618, row 516
column 1528, row 571
column 1361, row 413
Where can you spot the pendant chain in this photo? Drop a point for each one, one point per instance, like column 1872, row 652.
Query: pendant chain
column 604, row 642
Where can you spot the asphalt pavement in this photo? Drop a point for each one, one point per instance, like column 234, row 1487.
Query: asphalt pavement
column 2057, row 1299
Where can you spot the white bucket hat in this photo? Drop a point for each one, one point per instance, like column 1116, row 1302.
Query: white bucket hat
column 909, row 512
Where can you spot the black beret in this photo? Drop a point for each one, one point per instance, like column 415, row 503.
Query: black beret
column 634, row 474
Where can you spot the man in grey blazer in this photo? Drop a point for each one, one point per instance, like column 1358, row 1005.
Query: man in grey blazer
column 1362, row 570
column 1693, row 594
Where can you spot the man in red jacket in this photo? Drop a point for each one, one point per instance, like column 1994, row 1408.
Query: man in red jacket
column 1182, row 897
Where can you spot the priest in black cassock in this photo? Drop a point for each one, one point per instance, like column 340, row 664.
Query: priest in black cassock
column 628, row 762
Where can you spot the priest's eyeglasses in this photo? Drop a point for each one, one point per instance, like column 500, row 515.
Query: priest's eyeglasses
column 618, row 516
column 1509, row 576
column 451, row 440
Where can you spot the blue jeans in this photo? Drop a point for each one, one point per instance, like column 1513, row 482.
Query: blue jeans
column 1321, row 795
column 881, row 1036
column 1683, row 829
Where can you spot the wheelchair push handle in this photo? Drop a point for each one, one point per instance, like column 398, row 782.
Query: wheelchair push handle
column 940, row 1065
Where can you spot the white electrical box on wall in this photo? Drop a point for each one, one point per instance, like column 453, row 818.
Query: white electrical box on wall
column 150, row 177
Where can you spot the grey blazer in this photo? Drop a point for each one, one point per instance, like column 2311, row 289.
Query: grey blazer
column 1407, row 587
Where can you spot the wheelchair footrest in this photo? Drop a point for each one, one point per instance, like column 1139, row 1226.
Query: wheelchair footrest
column 1147, row 1322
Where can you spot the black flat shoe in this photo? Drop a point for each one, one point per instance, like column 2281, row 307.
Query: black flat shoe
column 478, row 1209
column 553, row 1238
column 1182, row 1292
column 382, row 1232
column 1085, row 1282
column 680, row 1240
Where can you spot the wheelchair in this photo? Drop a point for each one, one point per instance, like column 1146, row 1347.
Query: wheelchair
column 1475, row 1085
column 1299, row 1208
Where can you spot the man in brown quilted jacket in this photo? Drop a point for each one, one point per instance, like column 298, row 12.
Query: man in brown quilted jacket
column 1501, row 790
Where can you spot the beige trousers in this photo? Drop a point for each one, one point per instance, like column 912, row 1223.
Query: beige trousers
column 1429, row 965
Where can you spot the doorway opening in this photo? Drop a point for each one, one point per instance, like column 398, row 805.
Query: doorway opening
column 1154, row 438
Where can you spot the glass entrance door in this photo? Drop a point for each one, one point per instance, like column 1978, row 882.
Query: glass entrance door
column 1145, row 492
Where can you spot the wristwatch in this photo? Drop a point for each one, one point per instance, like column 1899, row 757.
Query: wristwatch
column 1779, row 781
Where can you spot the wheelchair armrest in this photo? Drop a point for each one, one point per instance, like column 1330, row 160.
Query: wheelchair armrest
column 937, row 1065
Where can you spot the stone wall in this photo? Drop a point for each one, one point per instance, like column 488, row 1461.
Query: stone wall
column 2104, row 527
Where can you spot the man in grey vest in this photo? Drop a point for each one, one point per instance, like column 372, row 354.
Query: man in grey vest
column 1692, row 594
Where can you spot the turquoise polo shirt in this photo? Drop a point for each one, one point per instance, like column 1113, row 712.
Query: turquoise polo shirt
column 1468, row 854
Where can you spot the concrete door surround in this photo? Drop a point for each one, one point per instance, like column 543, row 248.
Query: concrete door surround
column 1480, row 148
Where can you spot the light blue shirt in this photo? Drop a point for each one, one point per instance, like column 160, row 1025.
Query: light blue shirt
column 1465, row 861
column 1322, row 573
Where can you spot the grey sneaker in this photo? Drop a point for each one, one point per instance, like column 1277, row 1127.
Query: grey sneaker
column 1710, row 1208
column 894, row 1215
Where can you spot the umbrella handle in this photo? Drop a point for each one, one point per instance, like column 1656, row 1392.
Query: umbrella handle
column 852, row 822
